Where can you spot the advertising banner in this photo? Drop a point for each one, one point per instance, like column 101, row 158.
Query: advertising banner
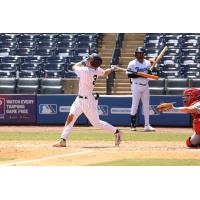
column 17, row 109
column 54, row 109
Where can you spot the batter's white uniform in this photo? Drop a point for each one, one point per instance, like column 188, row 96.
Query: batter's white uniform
column 85, row 101
column 140, row 88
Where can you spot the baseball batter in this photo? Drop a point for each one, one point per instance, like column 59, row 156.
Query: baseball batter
column 88, row 71
column 139, row 87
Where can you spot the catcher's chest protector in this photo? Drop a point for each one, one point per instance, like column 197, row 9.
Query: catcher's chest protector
column 195, row 115
column 196, row 121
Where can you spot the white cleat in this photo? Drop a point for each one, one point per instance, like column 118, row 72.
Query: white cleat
column 118, row 138
column 61, row 143
column 149, row 128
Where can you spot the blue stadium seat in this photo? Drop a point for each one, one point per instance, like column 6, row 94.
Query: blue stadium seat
column 66, row 44
column 7, row 73
column 26, row 44
column 32, row 59
column 7, row 44
column 11, row 59
column 70, row 74
column 55, row 59
column 27, row 86
column 8, row 66
column 45, row 44
column 7, row 89
column 51, row 86
column 53, row 70
column 5, row 52
column 67, row 37
column 30, row 66
column 27, row 37
column 195, row 82
column 29, row 73
column 22, row 52
column 190, row 52
column 43, row 52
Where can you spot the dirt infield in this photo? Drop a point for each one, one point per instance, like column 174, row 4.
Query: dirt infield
column 34, row 153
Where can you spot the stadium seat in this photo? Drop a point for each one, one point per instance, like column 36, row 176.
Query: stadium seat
column 5, row 52
column 7, row 89
column 175, row 91
column 8, row 81
column 42, row 52
column 11, row 59
column 22, row 52
column 27, row 37
column 195, row 82
column 52, row 86
column 51, row 82
column 66, row 44
column 7, row 85
column 181, row 82
column 157, row 87
column 55, row 59
column 53, row 70
column 27, row 86
column 66, row 37
column 7, row 44
column 190, row 52
column 29, row 73
column 30, row 66
column 7, row 74
column 26, row 44
column 32, row 59
column 51, row 90
column 176, row 86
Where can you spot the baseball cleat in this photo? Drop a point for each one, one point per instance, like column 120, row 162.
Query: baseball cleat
column 118, row 138
column 149, row 128
column 61, row 143
column 133, row 129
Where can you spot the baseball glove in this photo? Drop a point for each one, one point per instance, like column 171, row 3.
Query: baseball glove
column 164, row 107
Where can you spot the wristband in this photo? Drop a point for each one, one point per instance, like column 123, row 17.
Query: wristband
column 176, row 109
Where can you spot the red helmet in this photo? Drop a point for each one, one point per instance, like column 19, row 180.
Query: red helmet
column 190, row 95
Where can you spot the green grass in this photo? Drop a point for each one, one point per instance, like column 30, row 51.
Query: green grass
column 5, row 159
column 150, row 162
column 94, row 135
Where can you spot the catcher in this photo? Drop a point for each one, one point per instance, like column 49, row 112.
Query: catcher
column 192, row 105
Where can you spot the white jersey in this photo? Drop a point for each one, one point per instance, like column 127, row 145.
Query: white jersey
column 88, row 78
column 197, row 107
column 136, row 66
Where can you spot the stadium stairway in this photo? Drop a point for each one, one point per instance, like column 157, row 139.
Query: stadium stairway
column 105, row 51
column 130, row 43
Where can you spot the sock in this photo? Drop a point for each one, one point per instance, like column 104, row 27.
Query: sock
column 133, row 121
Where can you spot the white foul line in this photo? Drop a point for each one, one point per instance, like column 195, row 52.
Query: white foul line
column 46, row 158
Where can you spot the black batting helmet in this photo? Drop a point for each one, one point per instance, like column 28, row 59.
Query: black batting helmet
column 96, row 60
column 140, row 50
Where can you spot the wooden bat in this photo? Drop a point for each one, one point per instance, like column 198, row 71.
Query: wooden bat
column 141, row 74
column 159, row 57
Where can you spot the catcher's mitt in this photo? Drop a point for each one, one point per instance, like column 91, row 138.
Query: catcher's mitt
column 164, row 107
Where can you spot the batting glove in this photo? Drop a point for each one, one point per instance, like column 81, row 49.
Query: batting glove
column 113, row 68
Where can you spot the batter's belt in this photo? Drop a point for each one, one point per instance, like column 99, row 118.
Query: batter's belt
column 96, row 96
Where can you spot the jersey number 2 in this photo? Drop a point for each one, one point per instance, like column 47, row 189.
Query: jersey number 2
column 94, row 78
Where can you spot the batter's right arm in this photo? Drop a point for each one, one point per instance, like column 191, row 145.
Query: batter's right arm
column 79, row 64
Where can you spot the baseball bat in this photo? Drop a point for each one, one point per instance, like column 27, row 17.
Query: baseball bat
column 141, row 74
column 159, row 57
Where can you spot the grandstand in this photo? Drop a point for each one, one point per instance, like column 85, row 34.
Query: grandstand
column 40, row 63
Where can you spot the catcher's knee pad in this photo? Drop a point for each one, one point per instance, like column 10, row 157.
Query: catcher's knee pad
column 196, row 125
column 189, row 144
